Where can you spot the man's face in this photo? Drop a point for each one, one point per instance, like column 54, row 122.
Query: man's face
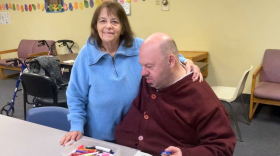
column 154, row 66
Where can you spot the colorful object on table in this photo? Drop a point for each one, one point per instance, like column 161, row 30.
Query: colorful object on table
column 86, row 3
column 26, row 7
column 42, row 7
column 121, row 1
column 128, row 1
column 7, row 6
column 10, row 6
column 30, row 7
column 60, row 7
column 76, row 6
column 65, row 7
column 3, row 7
column 22, row 8
column 91, row 3
column 97, row 2
column 38, row 6
column 46, row 6
column 92, row 151
column 51, row 7
column 70, row 6
column 81, row 5
column 17, row 7
column 34, row 7
column 135, row 0
column 0, row 7
column 14, row 7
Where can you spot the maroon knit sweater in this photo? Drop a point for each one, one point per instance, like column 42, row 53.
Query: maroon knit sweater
column 186, row 114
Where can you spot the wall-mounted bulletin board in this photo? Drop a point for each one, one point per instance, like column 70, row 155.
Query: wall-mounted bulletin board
column 58, row 6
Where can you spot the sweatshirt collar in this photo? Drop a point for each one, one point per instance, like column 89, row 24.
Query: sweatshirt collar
column 94, row 54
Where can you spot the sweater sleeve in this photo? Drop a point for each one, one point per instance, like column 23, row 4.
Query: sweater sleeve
column 215, row 136
column 77, row 92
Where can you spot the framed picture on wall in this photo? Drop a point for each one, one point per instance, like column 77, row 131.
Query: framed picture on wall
column 54, row 6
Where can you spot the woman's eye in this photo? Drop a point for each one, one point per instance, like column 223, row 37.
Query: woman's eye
column 102, row 21
column 115, row 22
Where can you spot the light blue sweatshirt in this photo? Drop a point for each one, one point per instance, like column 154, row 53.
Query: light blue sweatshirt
column 102, row 88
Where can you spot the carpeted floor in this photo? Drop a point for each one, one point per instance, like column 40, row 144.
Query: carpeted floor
column 261, row 137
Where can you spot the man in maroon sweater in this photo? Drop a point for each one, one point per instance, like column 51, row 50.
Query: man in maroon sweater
column 171, row 112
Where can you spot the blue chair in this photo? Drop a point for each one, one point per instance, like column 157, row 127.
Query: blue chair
column 55, row 117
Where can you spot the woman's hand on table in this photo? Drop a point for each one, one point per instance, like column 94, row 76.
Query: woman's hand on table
column 71, row 136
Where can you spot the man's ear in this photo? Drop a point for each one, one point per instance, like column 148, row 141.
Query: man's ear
column 171, row 60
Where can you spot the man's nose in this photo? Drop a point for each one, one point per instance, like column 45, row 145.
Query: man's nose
column 144, row 71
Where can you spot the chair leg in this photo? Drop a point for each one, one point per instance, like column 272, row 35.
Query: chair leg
column 245, row 114
column 236, row 123
column 251, row 108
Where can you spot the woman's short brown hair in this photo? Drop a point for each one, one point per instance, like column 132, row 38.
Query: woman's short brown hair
column 116, row 9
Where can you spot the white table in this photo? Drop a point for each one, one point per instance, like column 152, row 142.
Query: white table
column 22, row 138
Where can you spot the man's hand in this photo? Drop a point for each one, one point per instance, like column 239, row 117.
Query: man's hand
column 190, row 66
column 74, row 135
column 174, row 150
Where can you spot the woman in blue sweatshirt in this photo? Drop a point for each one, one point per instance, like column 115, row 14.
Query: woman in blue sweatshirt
column 106, row 76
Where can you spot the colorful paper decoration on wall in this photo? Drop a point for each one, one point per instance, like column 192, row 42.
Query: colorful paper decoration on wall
column 76, row 5
column 30, row 7
column 65, row 7
column 46, row 6
column 91, row 3
column 86, row 3
column 70, row 6
column 42, row 7
column 22, row 8
column 81, row 4
column 34, row 7
column 26, row 7
column 97, row 2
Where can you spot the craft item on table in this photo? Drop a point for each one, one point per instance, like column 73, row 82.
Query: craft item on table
column 21, row 8
column 70, row 6
column 60, row 7
column 7, row 6
column 65, row 7
column 135, row 0
column 91, row 151
column 34, row 7
column 121, row 1
column 3, row 6
column 26, row 7
column 51, row 7
column 86, row 3
column 42, row 7
column 46, row 6
column 0, row 7
column 76, row 6
column 10, row 6
column 81, row 5
column 14, row 7
column 91, row 3
column 38, row 6
column 30, row 7
column 128, row 1
column 97, row 2
column 17, row 7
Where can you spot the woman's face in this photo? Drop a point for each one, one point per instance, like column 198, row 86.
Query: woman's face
column 109, row 27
